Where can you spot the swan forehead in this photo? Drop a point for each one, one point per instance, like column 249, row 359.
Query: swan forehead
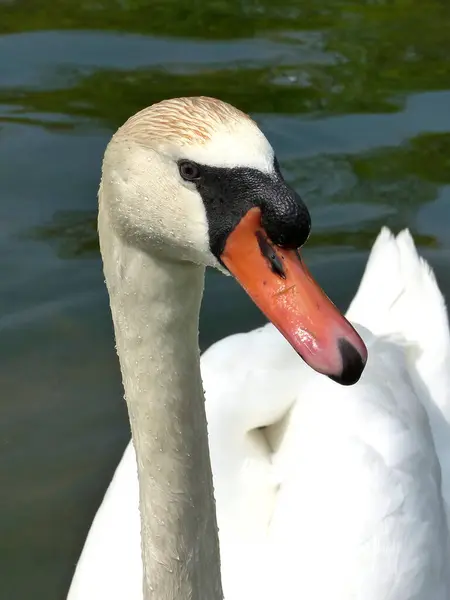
column 204, row 130
column 242, row 146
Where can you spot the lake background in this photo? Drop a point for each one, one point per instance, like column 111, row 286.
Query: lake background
column 355, row 98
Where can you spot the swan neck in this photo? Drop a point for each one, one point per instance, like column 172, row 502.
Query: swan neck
column 155, row 308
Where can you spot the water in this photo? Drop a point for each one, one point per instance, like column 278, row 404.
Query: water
column 353, row 95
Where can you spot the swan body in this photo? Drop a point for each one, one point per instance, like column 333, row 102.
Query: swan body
column 322, row 491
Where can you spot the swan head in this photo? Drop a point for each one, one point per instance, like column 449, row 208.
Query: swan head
column 195, row 179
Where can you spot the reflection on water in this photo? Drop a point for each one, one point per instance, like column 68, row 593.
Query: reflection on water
column 353, row 95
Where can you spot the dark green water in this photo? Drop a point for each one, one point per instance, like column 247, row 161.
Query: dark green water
column 355, row 97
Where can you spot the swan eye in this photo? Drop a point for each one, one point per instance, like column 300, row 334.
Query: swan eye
column 189, row 171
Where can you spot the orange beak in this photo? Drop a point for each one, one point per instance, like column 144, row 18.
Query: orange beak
column 279, row 283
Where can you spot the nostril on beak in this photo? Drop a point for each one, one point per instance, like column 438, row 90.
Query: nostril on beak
column 352, row 364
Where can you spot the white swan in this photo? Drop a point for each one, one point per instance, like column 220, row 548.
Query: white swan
column 358, row 512
column 185, row 184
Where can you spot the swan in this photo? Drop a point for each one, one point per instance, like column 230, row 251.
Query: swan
column 190, row 183
column 340, row 464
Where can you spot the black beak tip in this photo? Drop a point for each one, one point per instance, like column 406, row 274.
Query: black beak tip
column 352, row 364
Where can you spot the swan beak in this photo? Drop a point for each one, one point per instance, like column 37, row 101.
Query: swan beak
column 281, row 286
